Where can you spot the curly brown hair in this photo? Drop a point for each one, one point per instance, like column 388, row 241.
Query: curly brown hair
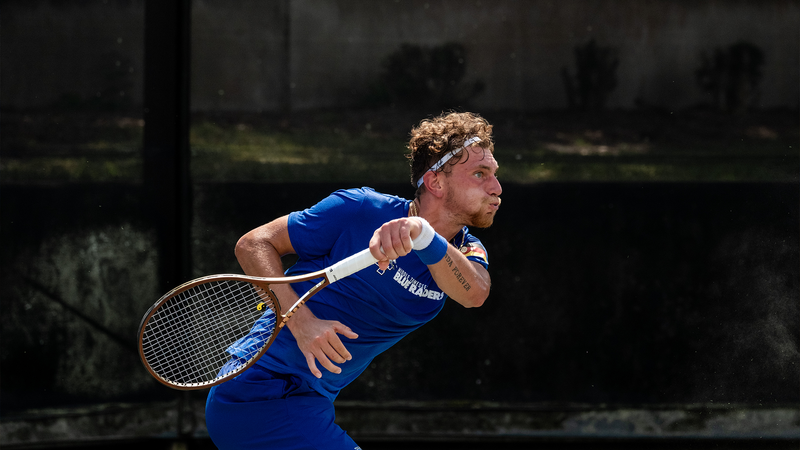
column 433, row 138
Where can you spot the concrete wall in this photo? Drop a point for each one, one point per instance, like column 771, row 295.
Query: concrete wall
column 517, row 47
column 75, row 52
column 236, row 52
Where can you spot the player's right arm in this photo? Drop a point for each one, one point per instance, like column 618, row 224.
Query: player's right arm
column 259, row 254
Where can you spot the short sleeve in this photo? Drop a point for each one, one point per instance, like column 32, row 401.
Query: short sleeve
column 314, row 231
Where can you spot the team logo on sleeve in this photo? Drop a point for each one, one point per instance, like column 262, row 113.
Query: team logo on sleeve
column 476, row 250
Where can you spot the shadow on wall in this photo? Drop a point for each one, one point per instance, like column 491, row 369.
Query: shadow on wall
column 595, row 77
column 731, row 76
column 414, row 76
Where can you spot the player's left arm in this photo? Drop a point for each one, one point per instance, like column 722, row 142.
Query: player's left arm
column 467, row 282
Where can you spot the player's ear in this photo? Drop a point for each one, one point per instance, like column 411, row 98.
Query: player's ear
column 434, row 183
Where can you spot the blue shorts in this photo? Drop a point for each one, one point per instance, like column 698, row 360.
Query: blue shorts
column 261, row 409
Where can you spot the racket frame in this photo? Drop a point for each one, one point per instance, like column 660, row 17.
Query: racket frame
column 329, row 275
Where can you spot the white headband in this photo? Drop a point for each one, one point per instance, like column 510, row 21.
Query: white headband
column 445, row 158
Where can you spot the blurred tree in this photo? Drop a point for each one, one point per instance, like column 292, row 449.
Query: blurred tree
column 595, row 78
column 731, row 76
column 418, row 76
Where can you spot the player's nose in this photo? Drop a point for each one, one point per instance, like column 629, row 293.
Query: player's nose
column 494, row 188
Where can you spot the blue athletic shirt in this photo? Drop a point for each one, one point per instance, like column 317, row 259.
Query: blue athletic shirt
column 380, row 308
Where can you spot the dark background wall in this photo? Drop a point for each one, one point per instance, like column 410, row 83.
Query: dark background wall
column 642, row 294
column 242, row 62
column 603, row 293
column 638, row 310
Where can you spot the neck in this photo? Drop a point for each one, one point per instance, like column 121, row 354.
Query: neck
column 436, row 215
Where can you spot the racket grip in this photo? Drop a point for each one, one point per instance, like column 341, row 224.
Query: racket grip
column 350, row 265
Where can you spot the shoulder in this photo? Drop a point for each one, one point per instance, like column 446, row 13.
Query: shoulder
column 352, row 204
column 364, row 193
column 342, row 198
column 371, row 194
column 368, row 197
column 471, row 247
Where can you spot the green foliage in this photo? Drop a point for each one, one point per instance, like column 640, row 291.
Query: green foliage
column 419, row 76
column 731, row 76
column 691, row 146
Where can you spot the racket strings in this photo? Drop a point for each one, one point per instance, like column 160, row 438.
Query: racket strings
column 208, row 331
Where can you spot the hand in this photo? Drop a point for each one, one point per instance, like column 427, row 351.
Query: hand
column 319, row 341
column 393, row 240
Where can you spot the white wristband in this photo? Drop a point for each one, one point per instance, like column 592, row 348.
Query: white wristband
column 429, row 246
column 425, row 236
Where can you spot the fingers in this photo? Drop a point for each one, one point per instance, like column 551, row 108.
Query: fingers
column 329, row 350
column 325, row 362
column 393, row 240
column 312, row 365
column 376, row 249
column 348, row 333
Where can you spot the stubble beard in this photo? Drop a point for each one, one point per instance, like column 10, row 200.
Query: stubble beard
column 476, row 219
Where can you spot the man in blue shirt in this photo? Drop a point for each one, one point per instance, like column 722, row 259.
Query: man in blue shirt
column 285, row 400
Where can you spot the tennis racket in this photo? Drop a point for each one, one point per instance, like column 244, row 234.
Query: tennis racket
column 208, row 330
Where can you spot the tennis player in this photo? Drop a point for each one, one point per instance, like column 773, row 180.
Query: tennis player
column 285, row 400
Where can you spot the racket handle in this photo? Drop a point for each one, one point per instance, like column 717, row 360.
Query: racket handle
column 350, row 265
column 364, row 258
